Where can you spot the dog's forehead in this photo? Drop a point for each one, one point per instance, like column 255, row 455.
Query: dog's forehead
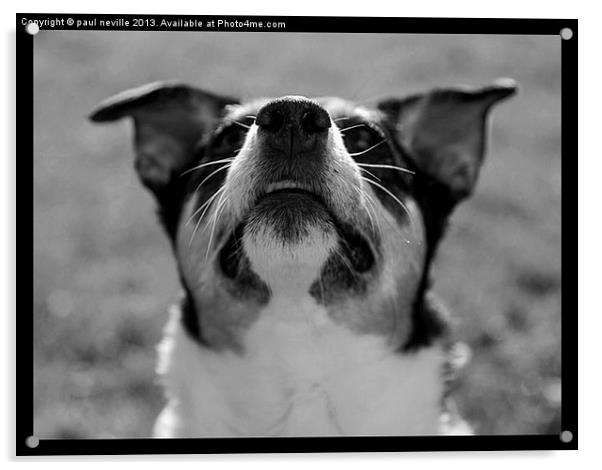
column 338, row 108
column 248, row 108
column 342, row 108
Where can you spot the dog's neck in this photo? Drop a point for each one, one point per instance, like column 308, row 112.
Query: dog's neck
column 300, row 374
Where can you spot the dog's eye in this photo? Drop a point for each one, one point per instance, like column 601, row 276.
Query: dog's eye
column 231, row 137
column 359, row 138
column 228, row 141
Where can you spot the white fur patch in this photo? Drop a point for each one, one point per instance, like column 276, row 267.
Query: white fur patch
column 288, row 268
column 300, row 374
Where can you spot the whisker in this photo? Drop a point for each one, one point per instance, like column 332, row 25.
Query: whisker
column 238, row 250
column 356, row 154
column 216, row 162
column 370, row 203
column 241, row 124
column 370, row 173
column 353, row 127
column 250, row 116
column 225, row 167
column 388, row 192
column 395, row 198
column 341, row 119
column 204, row 204
column 207, row 206
column 220, row 206
column 390, row 167
column 364, row 197
column 344, row 260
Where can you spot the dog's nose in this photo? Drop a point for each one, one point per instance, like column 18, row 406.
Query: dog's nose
column 293, row 124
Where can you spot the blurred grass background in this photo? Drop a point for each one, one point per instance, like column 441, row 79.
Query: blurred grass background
column 103, row 271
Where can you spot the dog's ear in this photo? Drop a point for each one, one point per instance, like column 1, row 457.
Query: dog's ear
column 169, row 120
column 444, row 131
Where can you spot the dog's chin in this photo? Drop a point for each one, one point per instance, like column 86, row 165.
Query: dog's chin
column 289, row 235
column 288, row 218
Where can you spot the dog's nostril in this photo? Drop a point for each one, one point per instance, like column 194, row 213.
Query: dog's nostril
column 315, row 120
column 270, row 120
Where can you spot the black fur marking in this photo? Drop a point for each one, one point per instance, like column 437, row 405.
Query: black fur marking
column 230, row 256
column 244, row 285
column 436, row 205
column 348, row 270
column 357, row 251
column 337, row 278
column 428, row 322
column 248, row 285
column 234, row 264
column 171, row 199
column 190, row 316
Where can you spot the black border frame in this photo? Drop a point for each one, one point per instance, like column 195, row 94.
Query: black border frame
column 24, row 323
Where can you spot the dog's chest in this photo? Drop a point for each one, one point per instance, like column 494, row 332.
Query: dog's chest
column 300, row 374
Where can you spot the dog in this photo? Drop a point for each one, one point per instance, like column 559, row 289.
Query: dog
column 304, row 232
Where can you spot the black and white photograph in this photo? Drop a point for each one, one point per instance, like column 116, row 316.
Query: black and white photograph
column 296, row 234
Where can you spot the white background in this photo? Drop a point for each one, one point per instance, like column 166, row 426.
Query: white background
column 590, row 174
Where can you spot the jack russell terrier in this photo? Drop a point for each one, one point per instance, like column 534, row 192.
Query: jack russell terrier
column 304, row 231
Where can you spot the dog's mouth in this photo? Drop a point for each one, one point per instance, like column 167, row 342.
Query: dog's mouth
column 289, row 190
column 289, row 207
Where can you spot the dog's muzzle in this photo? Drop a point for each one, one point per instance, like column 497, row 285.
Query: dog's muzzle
column 289, row 158
column 292, row 138
column 294, row 177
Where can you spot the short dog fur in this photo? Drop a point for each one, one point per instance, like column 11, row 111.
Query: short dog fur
column 304, row 231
